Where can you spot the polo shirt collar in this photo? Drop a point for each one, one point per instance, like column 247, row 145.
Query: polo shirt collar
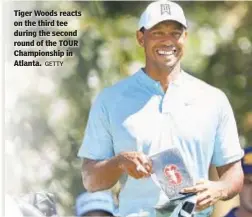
column 150, row 83
column 189, row 90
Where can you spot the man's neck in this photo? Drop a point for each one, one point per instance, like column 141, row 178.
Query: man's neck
column 164, row 75
column 241, row 212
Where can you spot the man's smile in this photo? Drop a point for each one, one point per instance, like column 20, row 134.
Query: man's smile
column 166, row 51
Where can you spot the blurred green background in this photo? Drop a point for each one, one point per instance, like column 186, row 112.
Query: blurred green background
column 46, row 110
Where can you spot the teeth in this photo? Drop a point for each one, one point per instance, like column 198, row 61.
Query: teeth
column 162, row 52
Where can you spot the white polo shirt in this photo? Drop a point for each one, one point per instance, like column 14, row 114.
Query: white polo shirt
column 136, row 115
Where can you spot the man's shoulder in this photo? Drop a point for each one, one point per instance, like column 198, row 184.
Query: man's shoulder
column 197, row 82
column 203, row 87
column 115, row 91
column 123, row 84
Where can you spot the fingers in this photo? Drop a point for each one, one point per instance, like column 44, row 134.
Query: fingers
column 136, row 164
column 134, row 173
column 138, row 172
column 201, row 181
column 204, row 203
column 201, row 197
column 205, row 197
column 199, row 187
column 200, row 208
column 194, row 189
column 207, row 193
column 145, row 162
column 140, row 168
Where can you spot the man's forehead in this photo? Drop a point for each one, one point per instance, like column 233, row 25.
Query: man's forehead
column 168, row 24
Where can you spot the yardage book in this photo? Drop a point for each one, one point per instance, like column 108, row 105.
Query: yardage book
column 171, row 173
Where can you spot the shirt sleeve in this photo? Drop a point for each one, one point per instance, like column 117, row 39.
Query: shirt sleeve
column 227, row 147
column 97, row 143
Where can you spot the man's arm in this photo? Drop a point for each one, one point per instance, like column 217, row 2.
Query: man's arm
column 231, row 178
column 101, row 175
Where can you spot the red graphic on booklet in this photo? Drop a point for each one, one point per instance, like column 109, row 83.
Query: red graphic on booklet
column 173, row 174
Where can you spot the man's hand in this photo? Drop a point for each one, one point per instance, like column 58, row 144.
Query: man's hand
column 135, row 164
column 208, row 193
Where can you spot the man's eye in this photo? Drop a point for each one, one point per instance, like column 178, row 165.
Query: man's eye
column 158, row 33
column 176, row 34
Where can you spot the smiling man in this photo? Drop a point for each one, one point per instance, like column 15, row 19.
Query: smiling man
column 160, row 107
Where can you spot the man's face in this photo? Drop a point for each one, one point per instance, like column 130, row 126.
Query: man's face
column 163, row 43
column 246, row 194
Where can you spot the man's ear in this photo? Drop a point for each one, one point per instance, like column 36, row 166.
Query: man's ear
column 183, row 37
column 140, row 37
column 185, row 34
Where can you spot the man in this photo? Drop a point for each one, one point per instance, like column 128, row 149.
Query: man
column 245, row 208
column 95, row 204
column 127, row 119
